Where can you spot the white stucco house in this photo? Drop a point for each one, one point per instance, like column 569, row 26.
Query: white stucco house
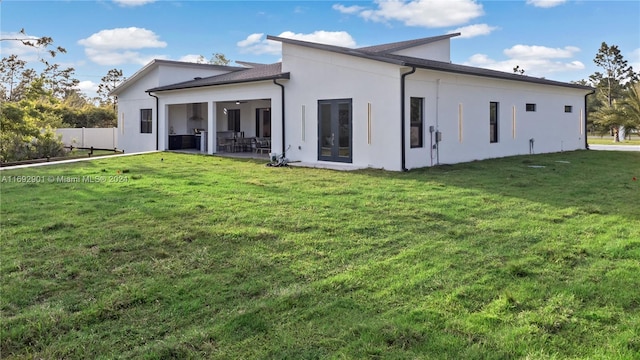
column 394, row 106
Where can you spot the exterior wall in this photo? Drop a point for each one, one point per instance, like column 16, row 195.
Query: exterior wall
column 216, row 99
column 103, row 138
column 134, row 98
column 175, row 73
column 130, row 102
column 439, row 51
column 462, row 115
column 247, row 115
column 318, row 75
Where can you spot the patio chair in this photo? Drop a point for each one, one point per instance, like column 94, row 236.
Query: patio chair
column 263, row 145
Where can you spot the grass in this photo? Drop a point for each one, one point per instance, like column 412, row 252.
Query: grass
column 608, row 140
column 188, row 256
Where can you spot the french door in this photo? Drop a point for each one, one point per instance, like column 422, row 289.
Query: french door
column 334, row 130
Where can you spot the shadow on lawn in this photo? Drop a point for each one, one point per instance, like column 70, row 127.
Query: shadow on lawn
column 595, row 182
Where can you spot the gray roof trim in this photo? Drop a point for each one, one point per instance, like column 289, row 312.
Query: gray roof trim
column 428, row 64
column 260, row 73
column 475, row 71
column 401, row 45
column 248, row 64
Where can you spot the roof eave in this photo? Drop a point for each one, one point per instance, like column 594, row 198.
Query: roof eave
column 230, row 82
column 502, row 76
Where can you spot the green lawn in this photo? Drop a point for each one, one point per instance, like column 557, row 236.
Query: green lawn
column 186, row 256
column 608, row 140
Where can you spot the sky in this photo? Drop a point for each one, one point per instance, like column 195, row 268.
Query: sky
column 555, row 39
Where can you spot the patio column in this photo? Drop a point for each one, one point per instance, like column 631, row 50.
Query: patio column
column 211, row 127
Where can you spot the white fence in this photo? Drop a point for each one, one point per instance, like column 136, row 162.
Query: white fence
column 101, row 138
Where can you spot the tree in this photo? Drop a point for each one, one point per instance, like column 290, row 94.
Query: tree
column 26, row 127
column 219, row 59
column 10, row 70
column 216, row 59
column 109, row 82
column 43, row 42
column 610, row 85
column 631, row 106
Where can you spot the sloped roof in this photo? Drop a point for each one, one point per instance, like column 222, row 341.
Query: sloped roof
column 401, row 45
column 157, row 62
column 248, row 64
column 258, row 73
column 381, row 53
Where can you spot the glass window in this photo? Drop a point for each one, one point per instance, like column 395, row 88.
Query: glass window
column 493, row 122
column 146, row 121
column 233, row 120
column 531, row 107
column 417, row 122
column 568, row 108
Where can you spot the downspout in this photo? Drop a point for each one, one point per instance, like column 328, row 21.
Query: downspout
column 157, row 115
column 437, row 122
column 282, row 96
column 403, row 156
column 586, row 116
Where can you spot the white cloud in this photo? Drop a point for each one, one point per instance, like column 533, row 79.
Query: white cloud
column 535, row 60
column 474, row 30
column 123, row 38
column 348, row 9
column 115, row 46
column 251, row 40
column 545, row 3
column 422, row 13
column 192, row 58
column 132, row 3
column 540, row 52
column 257, row 44
column 88, row 87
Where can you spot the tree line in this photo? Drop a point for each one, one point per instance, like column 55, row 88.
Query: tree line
column 33, row 104
column 615, row 105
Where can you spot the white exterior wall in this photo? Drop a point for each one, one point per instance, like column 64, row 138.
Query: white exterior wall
column 134, row 98
column 463, row 117
column 439, row 51
column 217, row 98
column 319, row 75
column 130, row 102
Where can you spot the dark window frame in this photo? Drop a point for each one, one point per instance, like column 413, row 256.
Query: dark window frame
column 146, row 121
column 494, row 110
column 416, row 121
column 530, row 107
column 568, row 108
column 233, row 120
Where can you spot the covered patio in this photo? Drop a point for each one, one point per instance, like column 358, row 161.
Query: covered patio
column 241, row 127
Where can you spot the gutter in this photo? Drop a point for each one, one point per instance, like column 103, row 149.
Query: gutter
column 283, row 122
column 586, row 118
column 157, row 128
column 403, row 156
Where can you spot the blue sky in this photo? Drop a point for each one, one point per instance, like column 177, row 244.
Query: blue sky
column 556, row 39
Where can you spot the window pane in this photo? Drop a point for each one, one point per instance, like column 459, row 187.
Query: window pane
column 344, row 129
column 326, row 136
column 493, row 122
column 146, row 121
column 417, row 133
